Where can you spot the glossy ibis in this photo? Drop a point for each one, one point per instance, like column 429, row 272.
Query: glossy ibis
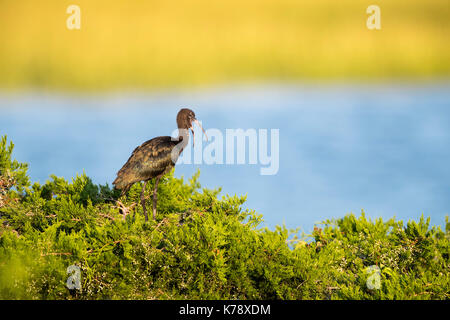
column 156, row 157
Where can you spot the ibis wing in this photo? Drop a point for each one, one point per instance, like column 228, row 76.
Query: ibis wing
column 147, row 161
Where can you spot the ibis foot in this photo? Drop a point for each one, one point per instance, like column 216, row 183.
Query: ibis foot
column 155, row 197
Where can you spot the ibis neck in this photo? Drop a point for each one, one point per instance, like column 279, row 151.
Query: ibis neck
column 183, row 134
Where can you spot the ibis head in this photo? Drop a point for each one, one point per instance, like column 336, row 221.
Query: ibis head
column 185, row 118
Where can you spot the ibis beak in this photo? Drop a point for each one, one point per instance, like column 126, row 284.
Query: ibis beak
column 198, row 123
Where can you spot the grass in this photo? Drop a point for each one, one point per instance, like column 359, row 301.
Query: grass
column 155, row 44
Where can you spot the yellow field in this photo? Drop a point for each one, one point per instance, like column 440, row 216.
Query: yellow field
column 167, row 43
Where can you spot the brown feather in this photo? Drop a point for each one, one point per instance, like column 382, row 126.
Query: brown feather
column 149, row 160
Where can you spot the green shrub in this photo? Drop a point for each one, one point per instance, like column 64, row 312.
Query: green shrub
column 200, row 247
column 12, row 173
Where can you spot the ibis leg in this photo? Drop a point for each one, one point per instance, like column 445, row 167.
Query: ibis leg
column 155, row 197
column 143, row 200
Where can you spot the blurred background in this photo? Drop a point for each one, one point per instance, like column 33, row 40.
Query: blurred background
column 363, row 114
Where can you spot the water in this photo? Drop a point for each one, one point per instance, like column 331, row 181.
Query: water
column 381, row 148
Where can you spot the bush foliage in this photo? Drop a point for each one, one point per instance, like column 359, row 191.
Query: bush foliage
column 200, row 247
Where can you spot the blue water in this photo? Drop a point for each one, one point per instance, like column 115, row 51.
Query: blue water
column 343, row 148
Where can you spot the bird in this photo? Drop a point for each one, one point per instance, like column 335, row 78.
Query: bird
column 156, row 157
